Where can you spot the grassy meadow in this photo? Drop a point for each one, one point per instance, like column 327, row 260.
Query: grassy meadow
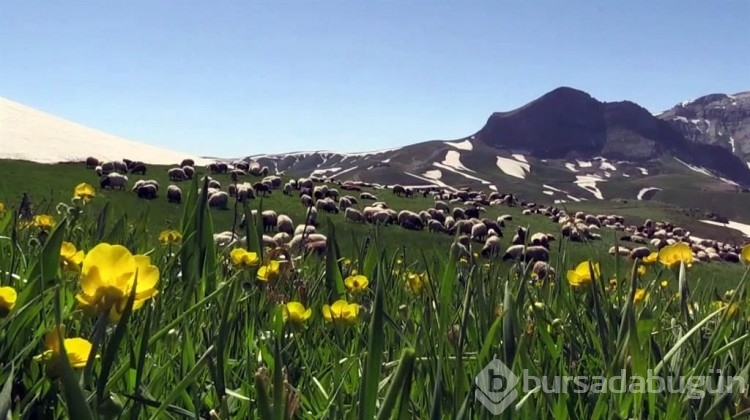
column 389, row 323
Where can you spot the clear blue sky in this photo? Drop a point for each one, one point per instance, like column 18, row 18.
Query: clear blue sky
column 232, row 78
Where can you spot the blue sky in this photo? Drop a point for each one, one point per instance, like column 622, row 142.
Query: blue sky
column 231, row 78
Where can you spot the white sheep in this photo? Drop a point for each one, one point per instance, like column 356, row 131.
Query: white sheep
column 516, row 252
column 354, row 215
column 174, row 194
column 285, row 224
column 219, row 200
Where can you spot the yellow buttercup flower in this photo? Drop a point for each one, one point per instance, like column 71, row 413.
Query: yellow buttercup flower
column 731, row 310
column 416, row 282
column 640, row 295
column 664, row 283
column 356, row 283
column 581, row 276
column 78, row 349
column 44, row 221
column 269, row 271
column 641, row 270
column 8, row 297
column 107, row 278
column 341, row 311
column 167, row 237
column 745, row 254
column 651, row 258
column 70, row 257
column 243, row 259
column 2, row 208
column 84, row 191
column 296, row 313
column 672, row 255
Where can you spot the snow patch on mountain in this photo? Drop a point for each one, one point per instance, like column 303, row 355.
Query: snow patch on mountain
column 462, row 145
column 453, row 160
column 588, row 183
column 513, row 167
column 643, row 192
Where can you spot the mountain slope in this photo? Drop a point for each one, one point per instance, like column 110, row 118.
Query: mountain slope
column 717, row 119
column 30, row 134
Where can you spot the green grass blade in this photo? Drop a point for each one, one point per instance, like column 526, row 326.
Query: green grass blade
column 371, row 376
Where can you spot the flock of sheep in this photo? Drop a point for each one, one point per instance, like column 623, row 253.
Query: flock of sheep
column 455, row 213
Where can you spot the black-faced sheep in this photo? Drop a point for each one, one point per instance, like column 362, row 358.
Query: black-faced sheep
column 435, row 226
column 113, row 181
column 174, row 194
column 138, row 168
column 398, row 190
column 491, row 247
column 92, row 162
column 261, row 188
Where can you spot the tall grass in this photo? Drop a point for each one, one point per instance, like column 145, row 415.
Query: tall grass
column 214, row 343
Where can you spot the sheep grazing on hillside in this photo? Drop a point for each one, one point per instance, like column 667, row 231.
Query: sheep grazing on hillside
column 114, row 181
column 284, row 224
column 261, row 188
column 147, row 191
column 219, row 200
column 187, row 162
column 138, row 168
column 354, row 215
column 542, row 270
column 214, row 184
column 177, row 174
column 92, row 162
column 535, row 253
column 270, row 218
column 368, row 196
column 174, row 194
column 189, row 171
column 479, row 232
column 491, row 247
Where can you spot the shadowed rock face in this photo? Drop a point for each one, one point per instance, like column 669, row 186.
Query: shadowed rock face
column 718, row 119
column 569, row 123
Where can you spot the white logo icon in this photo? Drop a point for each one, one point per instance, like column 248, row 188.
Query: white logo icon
column 496, row 387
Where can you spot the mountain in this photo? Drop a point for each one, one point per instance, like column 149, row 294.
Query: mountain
column 717, row 119
column 30, row 134
column 564, row 147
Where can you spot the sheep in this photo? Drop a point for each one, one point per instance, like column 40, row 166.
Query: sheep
column 113, row 181
column 344, row 203
column 284, row 224
column 260, row 187
column 147, row 191
column 537, row 253
column 491, row 246
column 435, row 226
column 187, row 162
column 245, row 192
column 368, row 196
column 409, row 220
column 177, row 174
column 441, row 205
column 92, row 162
column 326, row 205
column 458, row 213
column 398, row 190
column 306, row 200
column 354, row 215
column 174, row 194
column 214, row 184
column 288, row 188
column 219, row 200
column 302, row 240
column 312, row 215
column 333, row 193
column 479, row 232
column 138, row 168
column 300, row 229
column 274, row 180
column 542, row 270
column 540, row 239
column 620, row 250
column 641, row 252
column 270, row 218
column 282, row 238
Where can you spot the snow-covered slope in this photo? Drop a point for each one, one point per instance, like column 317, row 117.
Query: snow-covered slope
column 30, row 134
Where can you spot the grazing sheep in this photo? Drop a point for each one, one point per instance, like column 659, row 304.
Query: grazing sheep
column 214, row 184
column 261, row 188
column 113, row 181
column 147, row 191
column 274, row 180
column 326, row 205
column 539, row 239
column 344, row 203
column 367, row 196
column 187, row 162
column 435, row 226
column 219, row 200
column 306, row 200
column 284, row 224
column 245, row 192
column 409, row 220
column 306, row 229
column 177, row 174
column 354, row 215
column 536, row 253
column 520, row 237
column 312, row 215
column 189, row 171
column 398, row 190
column 138, row 168
column 479, row 232
column 288, row 188
column 491, row 247
column 174, row 194
column 92, row 162
column 270, row 218
column 542, row 270
column 641, row 252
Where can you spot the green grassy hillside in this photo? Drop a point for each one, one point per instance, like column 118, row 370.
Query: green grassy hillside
column 48, row 185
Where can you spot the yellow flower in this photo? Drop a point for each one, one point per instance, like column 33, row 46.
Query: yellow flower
column 416, row 282
column 581, row 276
column 296, row 313
column 242, row 258
column 745, row 254
column 84, row 191
column 269, row 271
column 651, row 258
column 70, row 258
column 8, row 298
column 664, row 283
column 107, row 278
column 341, row 311
column 640, row 295
column 44, row 221
column 2, row 207
column 463, row 260
column 641, row 270
column 356, row 283
column 78, row 349
column 167, row 237
column 672, row 255
column 731, row 310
